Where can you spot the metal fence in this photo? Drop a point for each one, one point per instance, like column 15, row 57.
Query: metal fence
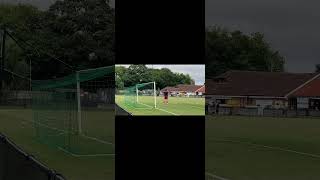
column 16, row 164
column 18, row 99
column 263, row 112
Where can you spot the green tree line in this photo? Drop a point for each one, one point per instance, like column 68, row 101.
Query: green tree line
column 135, row 74
column 234, row 50
column 80, row 33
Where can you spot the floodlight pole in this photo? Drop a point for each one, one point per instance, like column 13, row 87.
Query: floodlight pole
column 79, row 104
column 155, row 94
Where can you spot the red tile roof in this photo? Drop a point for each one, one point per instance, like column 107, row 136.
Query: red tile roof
column 202, row 89
column 253, row 83
column 168, row 88
column 310, row 89
column 182, row 87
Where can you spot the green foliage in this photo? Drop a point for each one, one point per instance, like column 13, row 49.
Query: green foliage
column 233, row 50
column 86, row 31
column 16, row 62
column 135, row 74
column 78, row 32
column 16, row 18
column 119, row 83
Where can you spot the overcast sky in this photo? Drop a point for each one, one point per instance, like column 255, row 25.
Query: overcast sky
column 197, row 72
column 290, row 26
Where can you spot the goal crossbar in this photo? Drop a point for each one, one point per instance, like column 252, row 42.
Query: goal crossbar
column 154, row 93
column 135, row 91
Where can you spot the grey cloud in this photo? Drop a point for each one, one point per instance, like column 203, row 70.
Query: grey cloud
column 197, row 72
column 290, row 26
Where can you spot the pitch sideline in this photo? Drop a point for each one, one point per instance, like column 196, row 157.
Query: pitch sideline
column 215, row 176
column 271, row 147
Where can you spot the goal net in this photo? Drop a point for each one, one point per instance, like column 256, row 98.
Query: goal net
column 76, row 113
column 15, row 85
column 141, row 96
column 15, row 74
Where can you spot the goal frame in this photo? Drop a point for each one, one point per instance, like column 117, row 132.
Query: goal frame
column 154, row 93
column 78, row 91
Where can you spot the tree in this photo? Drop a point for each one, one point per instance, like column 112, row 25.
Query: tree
column 16, row 18
column 22, row 22
column 135, row 74
column 120, row 70
column 85, row 30
column 317, row 68
column 233, row 50
column 119, row 83
column 78, row 32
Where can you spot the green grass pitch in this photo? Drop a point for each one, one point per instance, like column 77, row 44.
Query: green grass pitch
column 18, row 126
column 262, row 148
column 176, row 106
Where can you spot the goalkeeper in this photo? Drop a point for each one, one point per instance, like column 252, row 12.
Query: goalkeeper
column 165, row 97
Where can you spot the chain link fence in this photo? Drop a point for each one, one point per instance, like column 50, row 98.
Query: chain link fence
column 263, row 112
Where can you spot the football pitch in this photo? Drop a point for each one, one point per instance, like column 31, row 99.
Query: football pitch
column 262, row 148
column 176, row 106
column 17, row 125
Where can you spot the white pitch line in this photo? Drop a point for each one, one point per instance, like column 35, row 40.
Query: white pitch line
column 64, row 132
column 215, row 176
column 138, row 108
column 87, row 155
column 98, row 140
column 41, row 124
column 159, row 109
column 276, row 148
column 167, row 111
column 197, row 107
column 145, row 104
column 57, row 135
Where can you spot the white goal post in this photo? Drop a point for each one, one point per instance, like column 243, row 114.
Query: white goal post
column 149, row 85
column 94, row 86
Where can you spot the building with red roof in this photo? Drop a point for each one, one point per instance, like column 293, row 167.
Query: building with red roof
column 265, row 89
column 185, row 90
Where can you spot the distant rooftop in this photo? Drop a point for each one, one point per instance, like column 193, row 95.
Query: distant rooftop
column 255, row 83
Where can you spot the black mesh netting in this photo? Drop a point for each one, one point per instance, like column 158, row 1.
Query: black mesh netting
column 16, row 164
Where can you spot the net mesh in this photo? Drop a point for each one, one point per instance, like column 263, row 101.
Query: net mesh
column 15, row 75
column 140, row 96
column 76, row 113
